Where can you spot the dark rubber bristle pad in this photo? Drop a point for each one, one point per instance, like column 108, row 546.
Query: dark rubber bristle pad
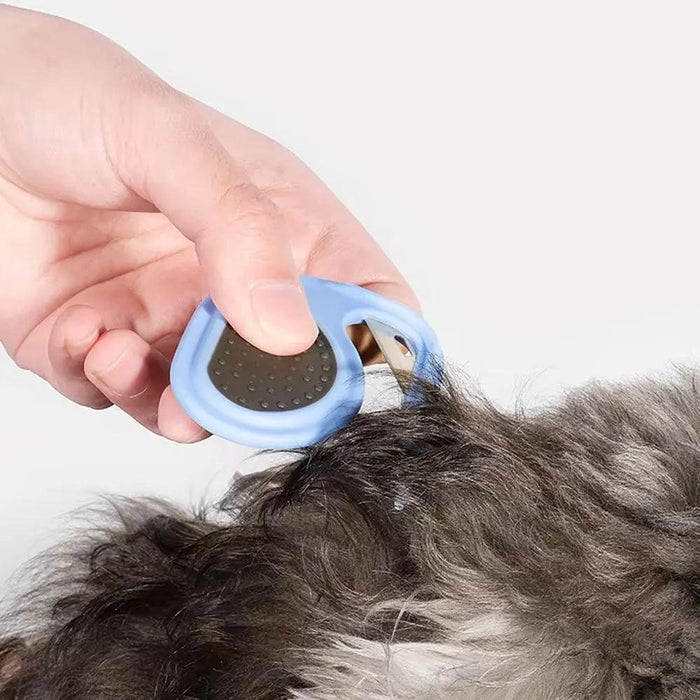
column 260, row 381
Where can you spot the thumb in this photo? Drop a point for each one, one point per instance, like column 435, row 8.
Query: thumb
column 174, row 161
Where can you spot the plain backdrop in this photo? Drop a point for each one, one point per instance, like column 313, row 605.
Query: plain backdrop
column 533, row 168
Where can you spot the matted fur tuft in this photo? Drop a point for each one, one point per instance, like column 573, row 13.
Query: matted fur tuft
column 443, row 551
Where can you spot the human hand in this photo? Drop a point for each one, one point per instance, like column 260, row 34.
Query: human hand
column 123, row 202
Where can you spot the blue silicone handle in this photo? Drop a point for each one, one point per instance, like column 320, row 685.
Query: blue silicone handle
column 335, row 306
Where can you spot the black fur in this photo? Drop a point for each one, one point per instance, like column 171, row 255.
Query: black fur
column 574, row 533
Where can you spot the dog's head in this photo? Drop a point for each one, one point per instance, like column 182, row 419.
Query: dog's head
column 446, row 550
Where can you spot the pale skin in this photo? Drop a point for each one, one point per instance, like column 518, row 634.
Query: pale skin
column 123, row 202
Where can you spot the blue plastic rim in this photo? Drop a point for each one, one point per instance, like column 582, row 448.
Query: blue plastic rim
column 335, row 306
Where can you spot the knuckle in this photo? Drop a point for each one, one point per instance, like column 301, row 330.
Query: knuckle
column 258, row 233
column 243, row 211
column 253, row 223
column 244, row 205
column 329, row 243
column 245, row 195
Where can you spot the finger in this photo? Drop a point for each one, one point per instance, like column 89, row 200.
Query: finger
column 174, row 423
column 129, row 372
column 239, row 234
column 329, row 240
column 396, row 289
column 167, row 345
column 347, row 253
column 74, row 333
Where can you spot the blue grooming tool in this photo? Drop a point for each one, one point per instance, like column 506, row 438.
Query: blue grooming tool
column 243, row 394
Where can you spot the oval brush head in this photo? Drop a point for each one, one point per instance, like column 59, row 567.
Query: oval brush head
column 259, row 381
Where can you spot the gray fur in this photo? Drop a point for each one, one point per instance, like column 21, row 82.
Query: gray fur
column 552, row 556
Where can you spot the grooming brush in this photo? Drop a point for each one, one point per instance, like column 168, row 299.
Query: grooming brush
column 246, row 395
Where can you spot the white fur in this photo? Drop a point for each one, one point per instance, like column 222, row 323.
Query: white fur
column 487, row 659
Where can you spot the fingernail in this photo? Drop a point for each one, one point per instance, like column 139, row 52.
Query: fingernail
column 77, row 348
column 196, row 436
column 282, row 311
column 125, row 376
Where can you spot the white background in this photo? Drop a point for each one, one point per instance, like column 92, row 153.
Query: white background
column 534, row 169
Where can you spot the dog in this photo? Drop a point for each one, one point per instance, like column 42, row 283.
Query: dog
column 443, row 550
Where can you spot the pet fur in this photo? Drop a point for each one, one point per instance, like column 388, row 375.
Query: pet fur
column 448, row 550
